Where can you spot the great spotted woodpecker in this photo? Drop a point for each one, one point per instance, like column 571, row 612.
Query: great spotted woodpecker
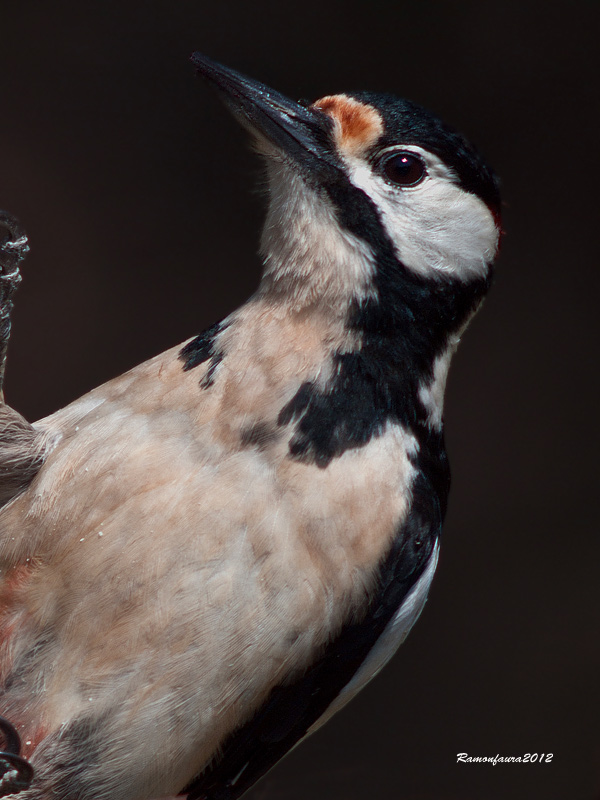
column 207, row 557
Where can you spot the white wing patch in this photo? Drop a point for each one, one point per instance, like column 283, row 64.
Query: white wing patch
column 390, row 640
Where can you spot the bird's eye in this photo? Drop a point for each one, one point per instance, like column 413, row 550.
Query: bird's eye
column 403, row 168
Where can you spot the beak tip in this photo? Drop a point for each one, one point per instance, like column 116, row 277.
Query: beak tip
column 205, row 66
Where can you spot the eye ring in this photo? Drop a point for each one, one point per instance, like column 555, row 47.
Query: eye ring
column 403, row 168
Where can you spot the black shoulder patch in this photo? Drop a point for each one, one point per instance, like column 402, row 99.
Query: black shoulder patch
column 345, row 415
column 291, row 710
column 379, row 382
column 201, row 349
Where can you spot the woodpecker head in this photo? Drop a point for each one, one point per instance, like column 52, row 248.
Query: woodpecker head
column 377, row 209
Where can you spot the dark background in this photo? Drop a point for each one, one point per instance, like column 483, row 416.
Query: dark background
column 139, row 195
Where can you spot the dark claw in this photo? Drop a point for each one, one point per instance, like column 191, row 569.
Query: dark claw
column 16, row 773
column 13, row 244
column 12, row 740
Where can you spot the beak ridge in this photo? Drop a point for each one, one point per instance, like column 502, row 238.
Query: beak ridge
column 301, row 133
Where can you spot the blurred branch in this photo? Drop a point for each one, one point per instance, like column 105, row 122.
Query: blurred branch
column 13, row 249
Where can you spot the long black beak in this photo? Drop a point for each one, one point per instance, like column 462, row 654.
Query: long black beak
column 299, row 132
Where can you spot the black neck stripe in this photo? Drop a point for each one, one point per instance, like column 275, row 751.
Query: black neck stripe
column 402, row 332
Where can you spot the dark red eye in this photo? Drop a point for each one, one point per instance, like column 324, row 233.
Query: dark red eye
column 403, row 168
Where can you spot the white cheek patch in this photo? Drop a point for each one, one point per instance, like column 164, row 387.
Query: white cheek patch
column 437, row 228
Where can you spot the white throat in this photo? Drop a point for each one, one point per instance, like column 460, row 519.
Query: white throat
column 308, row 256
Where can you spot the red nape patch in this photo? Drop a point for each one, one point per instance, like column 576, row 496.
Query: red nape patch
column 358, row 125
